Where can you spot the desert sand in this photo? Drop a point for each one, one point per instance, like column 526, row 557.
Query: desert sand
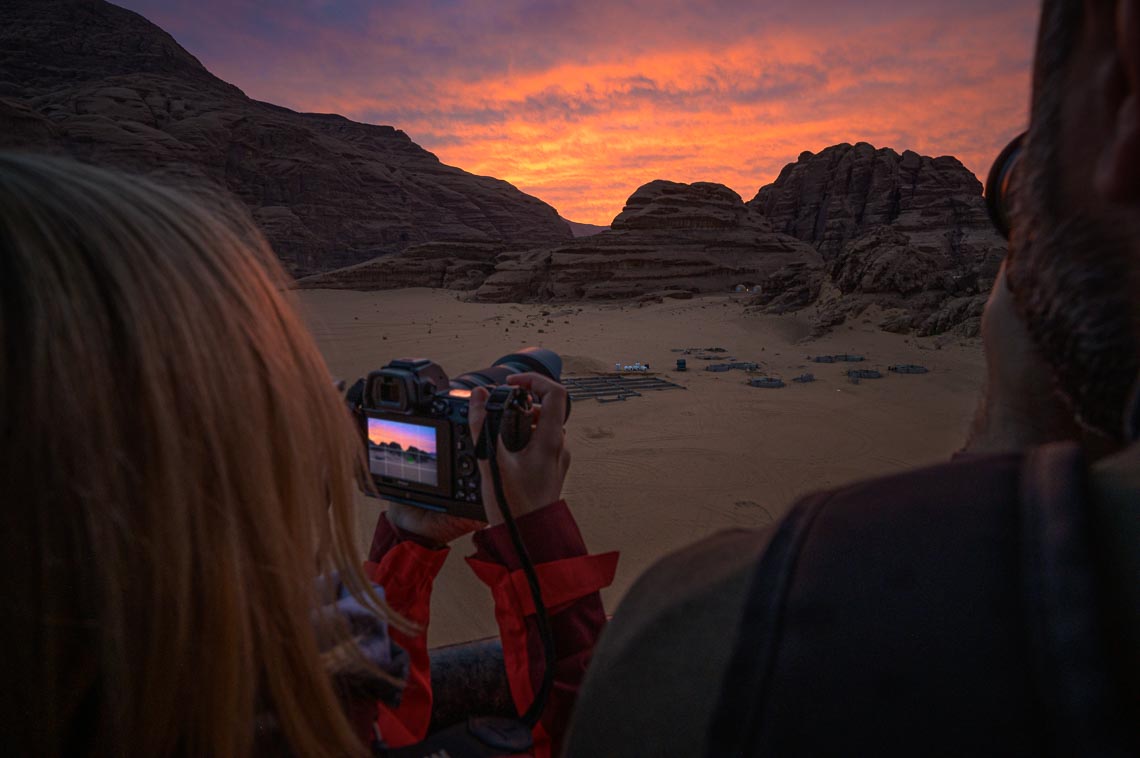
column 654, row 473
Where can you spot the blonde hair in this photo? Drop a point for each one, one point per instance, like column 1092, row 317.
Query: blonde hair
column 177, row 469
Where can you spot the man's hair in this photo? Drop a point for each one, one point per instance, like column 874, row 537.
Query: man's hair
column 176, row 469
column 1061, row 25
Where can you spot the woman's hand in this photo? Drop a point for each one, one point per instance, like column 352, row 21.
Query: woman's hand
column 533, row 477
column 439, row 528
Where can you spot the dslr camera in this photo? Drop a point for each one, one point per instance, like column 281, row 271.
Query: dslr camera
column 413, row 420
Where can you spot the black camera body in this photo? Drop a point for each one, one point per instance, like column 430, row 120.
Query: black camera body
column 414, row 422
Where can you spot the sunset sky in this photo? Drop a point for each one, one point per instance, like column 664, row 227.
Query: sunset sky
column 580, row 103
column 408, row 435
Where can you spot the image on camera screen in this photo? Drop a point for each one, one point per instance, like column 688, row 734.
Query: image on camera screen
column 403, row 451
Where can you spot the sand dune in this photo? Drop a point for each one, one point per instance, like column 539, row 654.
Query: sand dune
column 654, row 473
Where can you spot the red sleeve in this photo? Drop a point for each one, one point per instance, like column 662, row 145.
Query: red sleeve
column 406, row 570
column 570, row 580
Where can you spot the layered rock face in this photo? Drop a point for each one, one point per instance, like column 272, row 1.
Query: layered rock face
column 704, row 239
column 441, row 265
column 831, row 198
column 930, row 276
column 91, row 80
column 671, row 205
column 906, row 232
column 670, row 237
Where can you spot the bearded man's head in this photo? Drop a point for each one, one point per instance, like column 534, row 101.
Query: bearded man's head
column 1074, row 266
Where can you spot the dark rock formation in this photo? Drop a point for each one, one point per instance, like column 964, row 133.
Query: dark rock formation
column 830, row 198
column 905, row 232
column 95, row 81
column 670, row 205
column 696, row 238
column 790, row 288
column 442, row 265
column 712, row 245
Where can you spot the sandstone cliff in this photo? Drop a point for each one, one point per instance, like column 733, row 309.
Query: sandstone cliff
column 925, row 259
column 95, row 81
column 905, row 232
column 669, row 237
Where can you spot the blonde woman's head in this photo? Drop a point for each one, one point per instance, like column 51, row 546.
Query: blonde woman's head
column 175, row 470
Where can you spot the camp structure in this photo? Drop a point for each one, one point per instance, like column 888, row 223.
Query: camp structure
column 734, row 366
column 608, row 389
column 767, row 382
column 840, row 358
column 909, row 368
column 804, row 378
column 855, row 375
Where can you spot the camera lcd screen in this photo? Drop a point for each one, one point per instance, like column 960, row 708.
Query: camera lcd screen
column 403, row 451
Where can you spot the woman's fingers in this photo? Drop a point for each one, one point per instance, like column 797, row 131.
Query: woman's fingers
column 553, row 398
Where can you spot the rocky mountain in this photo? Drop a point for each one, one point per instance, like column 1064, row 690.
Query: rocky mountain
column 841, row 231
column 103, row 84
column 671, row 239
column 905, row 232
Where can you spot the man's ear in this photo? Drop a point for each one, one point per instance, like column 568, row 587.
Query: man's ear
column 1117, row 174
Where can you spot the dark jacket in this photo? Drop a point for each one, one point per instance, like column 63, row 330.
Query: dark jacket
column 954, row 610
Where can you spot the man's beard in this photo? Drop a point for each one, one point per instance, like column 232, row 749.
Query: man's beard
column 1073, row 275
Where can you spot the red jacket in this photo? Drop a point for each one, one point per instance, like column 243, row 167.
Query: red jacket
column 570, row 580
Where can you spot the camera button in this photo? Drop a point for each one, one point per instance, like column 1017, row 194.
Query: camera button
column 466, row 465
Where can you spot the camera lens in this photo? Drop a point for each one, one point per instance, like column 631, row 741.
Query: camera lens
column 484, row 377
column 536, row 359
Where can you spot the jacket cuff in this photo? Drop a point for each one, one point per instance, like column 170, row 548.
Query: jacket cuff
column 550, row 534
column 561, row 582
column 407, row 572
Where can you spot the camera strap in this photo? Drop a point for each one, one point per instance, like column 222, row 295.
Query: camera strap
column 500, row 400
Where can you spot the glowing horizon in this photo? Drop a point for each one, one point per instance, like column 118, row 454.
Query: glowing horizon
column 580, row 103
column 381, row 431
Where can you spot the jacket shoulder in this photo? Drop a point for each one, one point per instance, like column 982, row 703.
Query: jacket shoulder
column 907, row 598
column 665, row 650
